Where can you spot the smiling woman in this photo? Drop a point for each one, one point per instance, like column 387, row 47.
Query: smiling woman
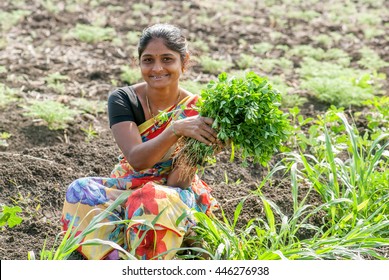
column 147, row 143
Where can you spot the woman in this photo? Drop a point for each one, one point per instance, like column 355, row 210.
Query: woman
column 146, row 120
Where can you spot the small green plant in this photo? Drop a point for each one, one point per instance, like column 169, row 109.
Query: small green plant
column 55, row 114
column 245, row 61
column 3, row 139
column 289, row 98
column 130, row 75
column 214, row 66
column 90, row 133
column 338, row 85
column 7, row 95
column 192, row 86
column 336, row 91
column 93, row 107
column 92, row 34
column 307, row 51
column 269, row 64
column 133, row 37
column 10, row 19
column 9, row 216
column 378, row 115
column 371, row 32
column 140, row 7
column 50, row 6
column 200, row 45
column 307, row 15
column 371, row 60
column 54, row 81
column 324, row 40
column 262, row 48
column 337, row 56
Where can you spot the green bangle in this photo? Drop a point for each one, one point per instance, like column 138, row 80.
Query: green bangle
column 174, row 131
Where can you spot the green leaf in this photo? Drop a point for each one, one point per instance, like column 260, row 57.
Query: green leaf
column 9, row 216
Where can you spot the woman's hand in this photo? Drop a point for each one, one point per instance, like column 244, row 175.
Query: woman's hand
column 198, row 128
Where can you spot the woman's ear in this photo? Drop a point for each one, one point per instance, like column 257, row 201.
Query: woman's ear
column 185, row 62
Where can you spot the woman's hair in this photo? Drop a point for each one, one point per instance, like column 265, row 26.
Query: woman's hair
column 171, row 35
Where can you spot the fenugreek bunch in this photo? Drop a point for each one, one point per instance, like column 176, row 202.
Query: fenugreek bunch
column 246, row 116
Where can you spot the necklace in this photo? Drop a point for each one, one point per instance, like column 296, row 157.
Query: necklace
column 151, row 113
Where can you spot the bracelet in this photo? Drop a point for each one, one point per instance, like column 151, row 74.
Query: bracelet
column 174, row 131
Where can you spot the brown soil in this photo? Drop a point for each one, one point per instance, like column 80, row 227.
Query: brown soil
column 38, row 164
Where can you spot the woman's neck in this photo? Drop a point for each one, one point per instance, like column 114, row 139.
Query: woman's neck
column 162, row 98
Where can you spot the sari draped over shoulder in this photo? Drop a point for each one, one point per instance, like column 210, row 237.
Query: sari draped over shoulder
column 150, row 200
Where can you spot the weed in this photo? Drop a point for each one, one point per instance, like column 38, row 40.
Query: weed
column 335, row 84
column 200, row 45
column 50, row 6
column 371, row 32
column 9, row 216
column 55, row 114
column 130, row 75
column 132, row 37
column 92, row 34
column 246, row 61
column 262, row 48
column 306, row 51
column 90, row 133
column 371, row 60
column 140, row 7
column 268, row 65
column 54, row 81
column 289, row 99
column 324, row 40
column 214, row 66
column 93, row 107
column 10, row 19
column 7, row 95
column 336, row 91
column 3, row 139
column 303, row 15
column 378, row 116
column 192, row 86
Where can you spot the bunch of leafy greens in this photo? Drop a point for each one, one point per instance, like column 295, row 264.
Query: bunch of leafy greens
column 246, row 117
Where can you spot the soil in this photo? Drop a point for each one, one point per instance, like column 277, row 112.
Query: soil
column 39, row 164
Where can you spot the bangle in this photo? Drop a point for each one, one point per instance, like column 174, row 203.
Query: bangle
column 174, row 131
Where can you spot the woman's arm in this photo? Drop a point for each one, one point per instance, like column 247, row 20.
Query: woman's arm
column 144, row 155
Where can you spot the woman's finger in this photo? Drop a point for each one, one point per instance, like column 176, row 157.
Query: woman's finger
column 209, row 132
column 206, row 120
column 203, row 139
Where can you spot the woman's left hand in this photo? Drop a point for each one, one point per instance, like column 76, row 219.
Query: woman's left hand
column 197, row 127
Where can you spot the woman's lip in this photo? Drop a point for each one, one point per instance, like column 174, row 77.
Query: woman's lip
column 159, row 76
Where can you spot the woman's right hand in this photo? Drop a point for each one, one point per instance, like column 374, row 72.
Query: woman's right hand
column 197, row 127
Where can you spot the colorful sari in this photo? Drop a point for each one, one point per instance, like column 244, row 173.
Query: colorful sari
column 150, row 200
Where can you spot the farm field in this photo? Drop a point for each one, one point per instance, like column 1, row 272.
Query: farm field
column 324, row 195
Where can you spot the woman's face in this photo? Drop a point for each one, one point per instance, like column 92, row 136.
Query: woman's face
column 160, row 66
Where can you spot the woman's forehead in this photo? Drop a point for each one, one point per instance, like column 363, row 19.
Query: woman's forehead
column 157, row 47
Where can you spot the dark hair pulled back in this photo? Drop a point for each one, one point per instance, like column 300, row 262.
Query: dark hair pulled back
column 171, row 35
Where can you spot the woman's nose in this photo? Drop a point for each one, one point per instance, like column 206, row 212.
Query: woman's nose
column 157, row 66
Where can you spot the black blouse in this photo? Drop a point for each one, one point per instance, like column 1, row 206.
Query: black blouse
column 124, row 105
